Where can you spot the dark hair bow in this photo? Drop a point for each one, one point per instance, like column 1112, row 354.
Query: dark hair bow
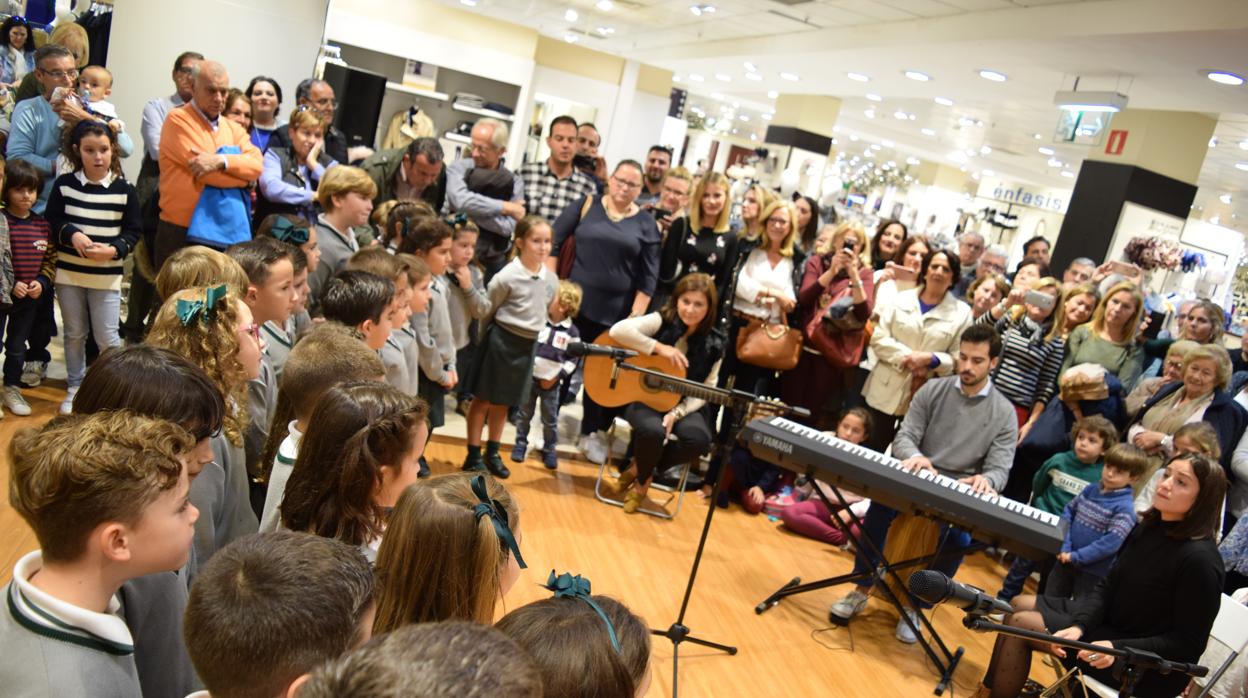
column 286, row 231
column 189, row 310
column 498, row 516
column 456, row 220
column 569, row 586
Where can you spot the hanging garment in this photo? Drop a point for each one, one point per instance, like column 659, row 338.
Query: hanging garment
column 406, row 126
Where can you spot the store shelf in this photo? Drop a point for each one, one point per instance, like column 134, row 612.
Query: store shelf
column 482, row 112
column 451, row 136
column 440, row 96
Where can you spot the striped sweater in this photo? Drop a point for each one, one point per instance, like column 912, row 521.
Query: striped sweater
column 1030, row 364
column 107, row 212
column 34, row 255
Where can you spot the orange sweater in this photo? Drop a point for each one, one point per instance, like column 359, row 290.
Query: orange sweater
column 186, row 130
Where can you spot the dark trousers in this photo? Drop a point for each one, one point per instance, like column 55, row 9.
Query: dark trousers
column 550, row 415
column 16, row 324
column 138, row 307
column 1020, row 570
column 169, row 239
column 595, row 417
column 43, row 329
column 691, row 437
column 884, row 427
column 492, row 253
column 875, row 528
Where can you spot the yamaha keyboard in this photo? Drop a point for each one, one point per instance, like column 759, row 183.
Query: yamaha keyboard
column 991, row 518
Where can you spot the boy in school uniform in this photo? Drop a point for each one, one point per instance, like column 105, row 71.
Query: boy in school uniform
column 552, row 366
column 270, row 608
column 106, row 495
column 362, row 301
column 377, row 260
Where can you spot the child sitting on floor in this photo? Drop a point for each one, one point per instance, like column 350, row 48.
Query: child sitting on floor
column 812, row 518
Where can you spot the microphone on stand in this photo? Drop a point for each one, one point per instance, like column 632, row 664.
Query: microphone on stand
column 587, row 349
column 935, row 587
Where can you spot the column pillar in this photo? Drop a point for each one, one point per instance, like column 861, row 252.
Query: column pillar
column 806, row 122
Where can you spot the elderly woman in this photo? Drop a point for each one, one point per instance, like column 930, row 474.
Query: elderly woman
column 985, row 292
column 822, row 381
column 1171, row 372
column 915, row 338
column 1110, row 339
column 18, row 46
column 617, row 266
column 291, row 175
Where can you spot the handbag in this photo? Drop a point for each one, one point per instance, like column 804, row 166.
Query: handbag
column 833, row 329
column 772, row 345
column 567, row 252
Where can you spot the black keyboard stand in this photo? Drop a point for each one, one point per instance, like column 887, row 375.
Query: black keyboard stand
column 946, row 662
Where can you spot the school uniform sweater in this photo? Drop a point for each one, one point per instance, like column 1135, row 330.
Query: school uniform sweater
column 1099, row 522
column 237, row 519
column 34, row 252
column 552, row 359
column 106, row 211
column 261, row 404
column 278, row 340
column 466, row 305
column 519, row 299
column 395, row 361
column 433, row 334
column 52, row 648
column 336, row 248
column 1060, row 480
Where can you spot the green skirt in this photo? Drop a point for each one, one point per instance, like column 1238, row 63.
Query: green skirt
column 503, row 367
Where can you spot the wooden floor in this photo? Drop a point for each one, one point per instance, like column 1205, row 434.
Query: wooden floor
column 644, row 561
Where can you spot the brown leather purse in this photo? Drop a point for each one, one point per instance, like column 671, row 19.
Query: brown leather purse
column 772, row 345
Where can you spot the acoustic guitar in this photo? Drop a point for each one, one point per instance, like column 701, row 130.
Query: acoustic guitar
column 630, row 386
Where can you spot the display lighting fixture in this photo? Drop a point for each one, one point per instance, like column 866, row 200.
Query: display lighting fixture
column 1068, row 174
column 699, row 9
column 571, row 15
column 1243, row 145
column 723, row 77
column 858, row 77
column 468, row 3
column 1226, row 199
column 916, row 75
column 606, row 31
column 943, row 101
column 571, row 38
column 1224, row 78
column 872, row 97
column 696, row 78
column 993, row 75
column 1090, row 101
column 605, row 5
column 985, row 150
column 928, row 131
column 750, row 67
column 869, row 113
column 887, row 143
column 912, row 161
column 1044, row 150
column 767, row 117
column 753, row 76
column 1242, row 166
column 791, row 77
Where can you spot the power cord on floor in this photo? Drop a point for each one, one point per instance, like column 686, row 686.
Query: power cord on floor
column 815, row 634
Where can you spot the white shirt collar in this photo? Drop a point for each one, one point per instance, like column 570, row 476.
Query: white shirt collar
column 57, row 615
column 106, row 182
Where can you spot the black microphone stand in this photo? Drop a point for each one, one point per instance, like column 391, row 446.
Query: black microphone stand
column 1134, row 662
column 739, row 402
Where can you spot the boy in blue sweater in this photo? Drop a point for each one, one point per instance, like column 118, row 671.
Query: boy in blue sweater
column 1060, row 480
column 1099, row 520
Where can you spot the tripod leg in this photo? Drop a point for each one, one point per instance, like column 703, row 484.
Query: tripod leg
column 713, row 645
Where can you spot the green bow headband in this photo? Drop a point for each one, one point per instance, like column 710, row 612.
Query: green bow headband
column 456, row 220
column 569, row 586
column 286, row 231
column 189, row 310
column 498, row 516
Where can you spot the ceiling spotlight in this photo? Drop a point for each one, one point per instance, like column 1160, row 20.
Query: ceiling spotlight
column 928, row 131
column 571, row 15
column 916, row 75
column 912, row 160
column 699, row 9
column 1242, row 166
column 723, row 77
column 696, row 78
column 1213, row 142
column 872, row 97
column 857, row 77
column 753, row 76
column 876, row 146
column 1243, row 145
column 1036, row 136
column 1226, row 199
column 468, row 3
column 750, row 67
column 791, row 77
column 1045, row 150
column 987, row 173
column 571, row 38
column 767, row 117
column 1054, row 162
column 853, row 138
column 744, row 117
column 676, row 78
column 869, row 113
column 606, row 31
column 985, row 150
column 772, row 94
column 887, row 143
column 1068, row 174
column 943, row 101
column 605, row 5
column 993, row 75
column 1224, row 78
column 957, row 156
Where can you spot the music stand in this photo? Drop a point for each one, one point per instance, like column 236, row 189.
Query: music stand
column 739, row 402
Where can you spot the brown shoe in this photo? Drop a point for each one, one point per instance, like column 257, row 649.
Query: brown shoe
column 632, row 501
column 626, row 479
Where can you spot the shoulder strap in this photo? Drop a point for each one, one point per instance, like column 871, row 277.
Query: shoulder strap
column 589, row 200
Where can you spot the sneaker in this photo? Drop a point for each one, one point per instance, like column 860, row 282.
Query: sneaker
column 850, row 606
column 33, row 373
column 904, row 632
column 594, row 446
column 549, row 459
column 14, row 401
column 494, row 464
column 67, row 405
column 518, row 452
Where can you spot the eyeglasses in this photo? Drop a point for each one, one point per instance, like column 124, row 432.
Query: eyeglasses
column 253, row 329
column 777, row 221
column 184, row 70
column 325, row 103
column 61, row 74
column 625, row 184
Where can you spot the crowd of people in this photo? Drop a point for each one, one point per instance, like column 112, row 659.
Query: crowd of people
column 238, row 498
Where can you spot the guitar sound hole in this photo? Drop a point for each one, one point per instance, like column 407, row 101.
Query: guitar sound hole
column 651, row 383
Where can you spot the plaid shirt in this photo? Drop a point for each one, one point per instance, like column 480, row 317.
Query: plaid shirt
column 546, row 195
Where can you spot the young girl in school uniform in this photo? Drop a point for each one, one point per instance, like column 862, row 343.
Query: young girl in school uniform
column 519, row 295
column 94, row 215
column 360, row 452
column 466, row 300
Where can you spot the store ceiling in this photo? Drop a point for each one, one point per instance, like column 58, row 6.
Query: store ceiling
column 1151, row 50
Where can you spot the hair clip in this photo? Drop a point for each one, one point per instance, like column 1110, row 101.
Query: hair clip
column 569, row 586
column 288, row 232
column 456, row 220
column 498, row 516
column 188, row 310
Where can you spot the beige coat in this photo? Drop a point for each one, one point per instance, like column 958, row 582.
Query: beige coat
column 902, row 329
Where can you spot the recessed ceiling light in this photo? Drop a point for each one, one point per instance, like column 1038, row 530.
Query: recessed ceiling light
column 571, row 15
column 753, row 76
column 853, row 138
column 1243, row 145
column 872, row 97
column 971, row 152
column 876, row 146
column 916, row 75
column 750, row 67
column 993, row 75
column 772, row 94
column 1054, row 162
column 869, row 113
column 1226, row 199
column 943, row 101
column 767, row 117
column 606, row 31
column 1045, row 150
column 605, row 5
column 699, row 9
column 723, row 77
column 676, row 78
column 791, row 77
column 1068, row 174
column 988, row 173
column 1224, row 78
column 857, row 77
column 468, row 3
column 744, row 117
column 696, row 78
column 887, row 143
column 912, row 160
column 1242, row 166
column 985, row 150
column 1036, row 136
column 957, row 156
column 719, row 97
column 571, row 38
column 928, row 131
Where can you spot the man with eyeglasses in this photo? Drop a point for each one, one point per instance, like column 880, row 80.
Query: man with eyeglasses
column 658, row 160
column 483, row 189
column 554, row 184
column 318, row 96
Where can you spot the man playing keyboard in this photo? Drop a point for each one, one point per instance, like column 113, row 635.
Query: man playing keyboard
column 957, row 426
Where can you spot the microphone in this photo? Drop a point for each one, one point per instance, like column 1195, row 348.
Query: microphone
column 587, row 349
column 935, row 587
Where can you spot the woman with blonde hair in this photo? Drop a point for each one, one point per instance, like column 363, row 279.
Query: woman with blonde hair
column 701, row 243
column 1110, row 339
column 756, row 198
column 291, row 175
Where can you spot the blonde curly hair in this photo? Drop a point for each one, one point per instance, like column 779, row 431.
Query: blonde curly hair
column 210, row 341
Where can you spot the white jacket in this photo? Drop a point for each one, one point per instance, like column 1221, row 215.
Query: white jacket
column 903, row 329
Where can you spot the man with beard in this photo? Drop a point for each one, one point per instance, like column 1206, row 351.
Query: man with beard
column 957, row 426
column 658, row 160
column 554, row 184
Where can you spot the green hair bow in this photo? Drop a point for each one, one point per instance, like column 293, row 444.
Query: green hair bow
column 189, row 310
column 289, row 232
column 569, row 586
column 498, row 516
column 456, row 220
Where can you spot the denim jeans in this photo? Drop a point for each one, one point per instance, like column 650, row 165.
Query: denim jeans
column 875, row 527
column 20, row 320
column 550, row 415
column 104, row 306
